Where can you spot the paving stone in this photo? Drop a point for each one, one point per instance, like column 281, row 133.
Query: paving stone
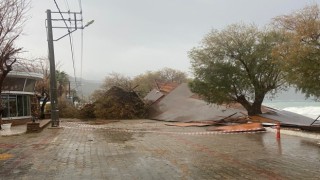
column 145, row 149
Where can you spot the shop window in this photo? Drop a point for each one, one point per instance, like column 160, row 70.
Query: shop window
column 13, row 105
column 23, row 105
column 20, row 105
column 26, row 106
column 16, row 105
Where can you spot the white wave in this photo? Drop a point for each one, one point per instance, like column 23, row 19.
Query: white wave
column 309, row 111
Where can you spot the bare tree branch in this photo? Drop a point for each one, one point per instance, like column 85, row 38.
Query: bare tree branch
column 12, row 18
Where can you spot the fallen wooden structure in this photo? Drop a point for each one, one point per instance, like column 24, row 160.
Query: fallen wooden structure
column 179, row 104
column 187, row 124
column 249, row 127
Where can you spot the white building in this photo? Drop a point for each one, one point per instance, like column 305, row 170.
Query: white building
column 17, row 92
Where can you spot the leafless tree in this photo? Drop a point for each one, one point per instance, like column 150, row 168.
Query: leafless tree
column 12, row 18
column 41, row 66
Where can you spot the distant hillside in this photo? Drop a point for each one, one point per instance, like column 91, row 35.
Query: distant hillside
column 89, row 86
column 86, row 86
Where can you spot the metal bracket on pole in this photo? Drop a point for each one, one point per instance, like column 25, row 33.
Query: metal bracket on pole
column 76, row 27
column 65, row 35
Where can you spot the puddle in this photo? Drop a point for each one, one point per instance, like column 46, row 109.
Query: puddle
column 119, row 137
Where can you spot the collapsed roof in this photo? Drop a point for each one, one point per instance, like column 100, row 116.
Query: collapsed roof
column 180, row 104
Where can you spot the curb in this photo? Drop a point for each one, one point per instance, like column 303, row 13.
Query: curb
column 10, row 133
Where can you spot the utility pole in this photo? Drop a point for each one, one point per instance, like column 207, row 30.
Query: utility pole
column 53, row 83
column 55, row 122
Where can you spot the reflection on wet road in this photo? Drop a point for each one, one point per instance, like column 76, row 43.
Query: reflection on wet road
column 145, row 149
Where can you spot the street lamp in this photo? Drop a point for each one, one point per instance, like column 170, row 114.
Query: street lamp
column 88, row 24
column 53, row 84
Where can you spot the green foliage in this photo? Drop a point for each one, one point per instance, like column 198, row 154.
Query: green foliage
column 300, row 52
column 143, row 83
column 62, row 79
column 117, row 103
column 146, row 82
column 119, row 80
column 235, row 65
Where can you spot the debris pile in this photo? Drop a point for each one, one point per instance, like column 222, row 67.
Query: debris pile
column 176, row 103
column 117, row 103
column 87, row 111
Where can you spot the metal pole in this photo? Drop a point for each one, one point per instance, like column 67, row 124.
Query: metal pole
column 278, row 131
column 315, row 120
column 69, row 89
column 53, row 84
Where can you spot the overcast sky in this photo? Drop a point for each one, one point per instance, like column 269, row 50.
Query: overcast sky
column 133, row 36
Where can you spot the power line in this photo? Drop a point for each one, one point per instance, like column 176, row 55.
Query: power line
column 80, row 5
column 67, row 4
column 72, row 55
column 70, row 40
column 71, row 43
column 81, row 53
column 64, row 20
column 81, row 59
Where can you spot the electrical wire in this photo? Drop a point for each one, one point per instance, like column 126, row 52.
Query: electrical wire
column 64, row 20
column 70, row 41
column 81, row 53
column 81, row 59
column 80, row 5
column 73, row 59
column 67, row 4
column 72, row 47
column 77, row 84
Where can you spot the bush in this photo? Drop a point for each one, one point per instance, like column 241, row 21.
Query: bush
column 117, row 103
column 67, row 110
column 87, row 112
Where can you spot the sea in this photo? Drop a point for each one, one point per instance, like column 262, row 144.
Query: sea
column 294, row 101
column 307, row 107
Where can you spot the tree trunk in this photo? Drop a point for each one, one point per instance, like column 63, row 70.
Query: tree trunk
column 243, row 101
column 1, row 107
column 255, row 107
column 44, row 102
column 1, row 111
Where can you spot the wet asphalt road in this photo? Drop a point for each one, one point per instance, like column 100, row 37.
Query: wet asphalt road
column 145, row 149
